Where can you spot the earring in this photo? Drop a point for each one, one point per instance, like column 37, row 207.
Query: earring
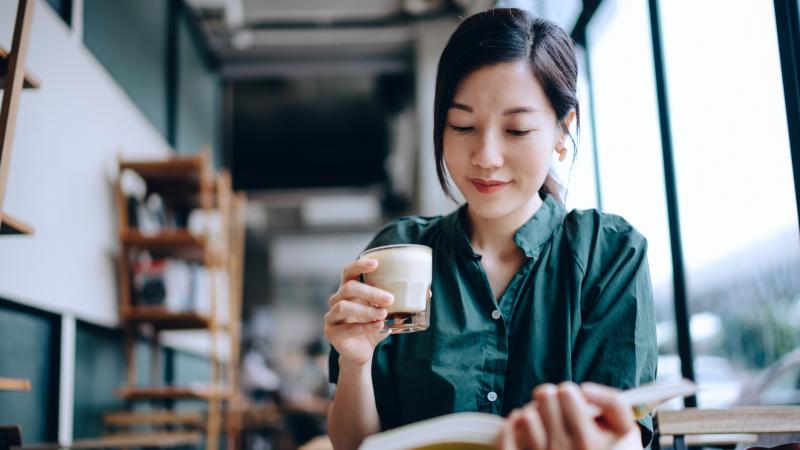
column 562, row 154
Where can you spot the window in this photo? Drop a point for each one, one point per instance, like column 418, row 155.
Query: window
column 63, row 8
column 130, row 39
column 579, row 176
column 629, row 145
column 198, row 88
column 735, row 192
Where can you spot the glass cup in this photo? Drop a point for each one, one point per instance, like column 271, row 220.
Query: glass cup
column 405, row 271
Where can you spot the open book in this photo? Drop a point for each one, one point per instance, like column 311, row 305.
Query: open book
column 479, row 431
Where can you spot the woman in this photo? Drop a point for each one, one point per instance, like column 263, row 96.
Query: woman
column 525, row 296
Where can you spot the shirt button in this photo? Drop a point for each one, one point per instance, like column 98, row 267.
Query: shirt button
column 491, row 396
column 496, row 314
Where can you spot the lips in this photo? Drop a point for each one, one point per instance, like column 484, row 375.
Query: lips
column 488, row 186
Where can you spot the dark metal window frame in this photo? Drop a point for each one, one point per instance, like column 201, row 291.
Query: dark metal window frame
column 178, row 11
column 787, row 21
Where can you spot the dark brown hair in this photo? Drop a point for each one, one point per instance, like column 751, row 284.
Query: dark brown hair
column 507, row 35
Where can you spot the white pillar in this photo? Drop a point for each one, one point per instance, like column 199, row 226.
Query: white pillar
column 66, row 389
column 431, row 37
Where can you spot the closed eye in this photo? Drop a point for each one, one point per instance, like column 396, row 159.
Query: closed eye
column 458, row 129
column 518, row 132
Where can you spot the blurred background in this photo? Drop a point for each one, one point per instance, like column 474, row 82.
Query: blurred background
column 321, row 113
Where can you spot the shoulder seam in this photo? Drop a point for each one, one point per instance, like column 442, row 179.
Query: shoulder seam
column 572, row 253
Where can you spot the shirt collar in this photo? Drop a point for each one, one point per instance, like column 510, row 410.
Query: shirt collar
column 529, row 237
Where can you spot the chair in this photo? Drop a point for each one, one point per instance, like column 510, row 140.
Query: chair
column 692, row 426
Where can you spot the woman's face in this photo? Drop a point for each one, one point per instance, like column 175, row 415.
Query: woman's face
column 499, row 137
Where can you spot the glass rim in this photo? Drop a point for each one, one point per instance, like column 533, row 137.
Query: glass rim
column 391, row 246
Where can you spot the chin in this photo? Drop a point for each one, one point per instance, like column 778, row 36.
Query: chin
column 495, row 209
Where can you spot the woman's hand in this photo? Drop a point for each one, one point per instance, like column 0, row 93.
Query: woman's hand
column 354, row 322
column 561, row 418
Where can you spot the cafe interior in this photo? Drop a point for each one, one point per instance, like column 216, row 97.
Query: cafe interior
column 182, row 181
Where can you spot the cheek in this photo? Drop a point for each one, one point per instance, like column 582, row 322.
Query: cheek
column 454, row 156
column 532, row 159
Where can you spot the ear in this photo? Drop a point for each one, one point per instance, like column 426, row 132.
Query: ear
column 562, row 136
column 561, row 148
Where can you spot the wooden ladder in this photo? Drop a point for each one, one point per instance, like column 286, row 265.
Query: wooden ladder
column 12, row 70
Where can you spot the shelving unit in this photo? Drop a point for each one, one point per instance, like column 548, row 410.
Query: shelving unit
column 184, row 183
column 13, row 78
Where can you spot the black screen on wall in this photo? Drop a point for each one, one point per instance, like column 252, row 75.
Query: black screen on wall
column 309, row 133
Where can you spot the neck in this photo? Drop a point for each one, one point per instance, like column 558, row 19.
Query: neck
column 496, row 235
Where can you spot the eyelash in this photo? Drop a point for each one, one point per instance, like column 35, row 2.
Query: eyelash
column 461, row 130
column 518, row 133
column 464, row 130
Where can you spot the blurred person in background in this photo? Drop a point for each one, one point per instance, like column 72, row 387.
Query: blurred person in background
column 259, row 380
column 306, row 394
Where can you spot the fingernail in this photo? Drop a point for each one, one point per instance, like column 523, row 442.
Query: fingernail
column 372, row 262
column 566, row 385
column 389, row 298
column 545, row 390
column 591, row 388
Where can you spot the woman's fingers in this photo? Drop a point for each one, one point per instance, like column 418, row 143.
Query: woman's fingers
column 523, row 430
column 345, row 310
column 369, row 295
column 335, row 333
column 616, row 413
column 507, row 440
column 575, row 413
column 533, row 430
column 354, row 270
column 549, row 409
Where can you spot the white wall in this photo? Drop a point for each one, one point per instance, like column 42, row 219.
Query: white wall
column 431, row 37
column 68, row 136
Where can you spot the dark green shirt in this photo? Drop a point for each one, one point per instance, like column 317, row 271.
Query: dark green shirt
column 580, row 309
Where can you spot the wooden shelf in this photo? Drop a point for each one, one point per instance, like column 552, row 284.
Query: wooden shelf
column 14, row 384
column 179, row 243
column 177, row 174
column 10, row 225
column 163, row 319
column 184, row 183
column 127, row 418
column 129, row 440
column 171, row 392
column 30, row 81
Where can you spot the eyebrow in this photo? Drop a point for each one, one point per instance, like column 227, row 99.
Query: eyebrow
column 507, row 112
column 462, row 107
column 520, row 110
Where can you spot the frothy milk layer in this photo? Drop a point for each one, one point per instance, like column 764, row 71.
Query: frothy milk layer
column 405, row 271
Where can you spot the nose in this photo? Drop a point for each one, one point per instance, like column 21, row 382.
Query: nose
column 488, row 153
